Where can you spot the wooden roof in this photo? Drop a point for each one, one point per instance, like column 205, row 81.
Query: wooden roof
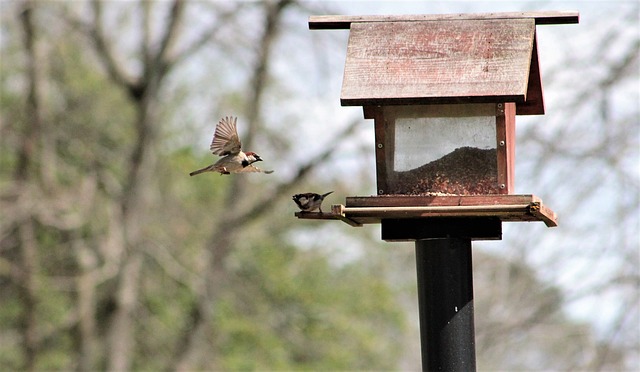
column 456, row 58
column 335, row 22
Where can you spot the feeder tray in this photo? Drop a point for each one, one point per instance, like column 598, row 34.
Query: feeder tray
column 360, row 210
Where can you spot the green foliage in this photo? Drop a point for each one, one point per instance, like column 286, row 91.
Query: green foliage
column 284, row 308
column 91, row 122
column 276, row 305
column 293, row 310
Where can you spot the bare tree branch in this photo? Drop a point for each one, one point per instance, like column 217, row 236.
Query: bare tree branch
column 133, row 201
column 260, row 70
column 32, row 128
column 258, row 82
column 146, row 42
column 165, row 52
column 114, row 69
column 207, row 35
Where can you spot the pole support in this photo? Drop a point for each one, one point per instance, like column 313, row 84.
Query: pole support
column 445, row 299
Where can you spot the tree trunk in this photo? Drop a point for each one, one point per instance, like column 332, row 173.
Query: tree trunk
column 121, row 330
column 86, row 304
column 28, row 294
column 26, row 230
column 134, row 205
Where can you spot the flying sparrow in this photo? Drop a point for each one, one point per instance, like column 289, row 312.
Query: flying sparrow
column 309, row 202
column 226, row 143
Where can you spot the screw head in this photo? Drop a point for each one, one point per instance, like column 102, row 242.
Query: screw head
column 380, row 192
column 380, row 145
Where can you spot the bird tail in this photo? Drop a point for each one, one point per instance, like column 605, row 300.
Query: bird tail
column 205, row 169
column 324, row 195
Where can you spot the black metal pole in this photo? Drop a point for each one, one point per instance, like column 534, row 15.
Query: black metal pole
column 445, row 299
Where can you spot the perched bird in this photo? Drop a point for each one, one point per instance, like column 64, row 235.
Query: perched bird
column 226, row 143
column 309, row 202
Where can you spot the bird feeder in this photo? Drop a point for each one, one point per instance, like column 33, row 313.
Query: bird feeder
column 443, row 92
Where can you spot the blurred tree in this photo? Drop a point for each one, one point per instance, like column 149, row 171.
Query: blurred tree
column 102, row 231
column 585, row 158
column 111, row 257
column 521, row 325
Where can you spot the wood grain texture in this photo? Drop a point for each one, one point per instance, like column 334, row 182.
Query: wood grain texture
column 510, row 110
column 506, row 140
column 501, row 140
column 383, row 152
column 534, row 103
column 329, row 22
column 438, row 62
column 373, row 209
column 440, row 200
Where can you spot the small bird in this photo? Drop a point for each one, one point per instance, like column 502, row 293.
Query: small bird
column 310, row 201
column 226, row 143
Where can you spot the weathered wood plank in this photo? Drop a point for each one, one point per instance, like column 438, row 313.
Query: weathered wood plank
column 506, row 140
column 543, row 213
column 534, row 104
column 383, row 155
column 439, row 200
column 501, row 150
column 510, row 110
column 335, row 22
column 374, row 209
column 430, row 62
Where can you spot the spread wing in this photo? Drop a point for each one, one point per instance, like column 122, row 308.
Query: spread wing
column 302, row 200
column 252, row 169
column 225, row 139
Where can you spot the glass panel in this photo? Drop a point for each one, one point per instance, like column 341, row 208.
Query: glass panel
column 448, row 149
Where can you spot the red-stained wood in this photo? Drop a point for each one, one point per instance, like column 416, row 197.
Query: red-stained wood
column 505, row 136
column 510, row 109
column 383, row 153
column 534, row 103
column 439, row 200
column 438, row 62
column 501, row 153
column 334, row 22
column 545, row 214
column 374, row 209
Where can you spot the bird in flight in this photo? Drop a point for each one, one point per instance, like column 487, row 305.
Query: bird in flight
column 226, row 143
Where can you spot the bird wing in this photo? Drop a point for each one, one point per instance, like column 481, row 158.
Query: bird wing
column 253, row 169
column 225, row 139
column 302, row 200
